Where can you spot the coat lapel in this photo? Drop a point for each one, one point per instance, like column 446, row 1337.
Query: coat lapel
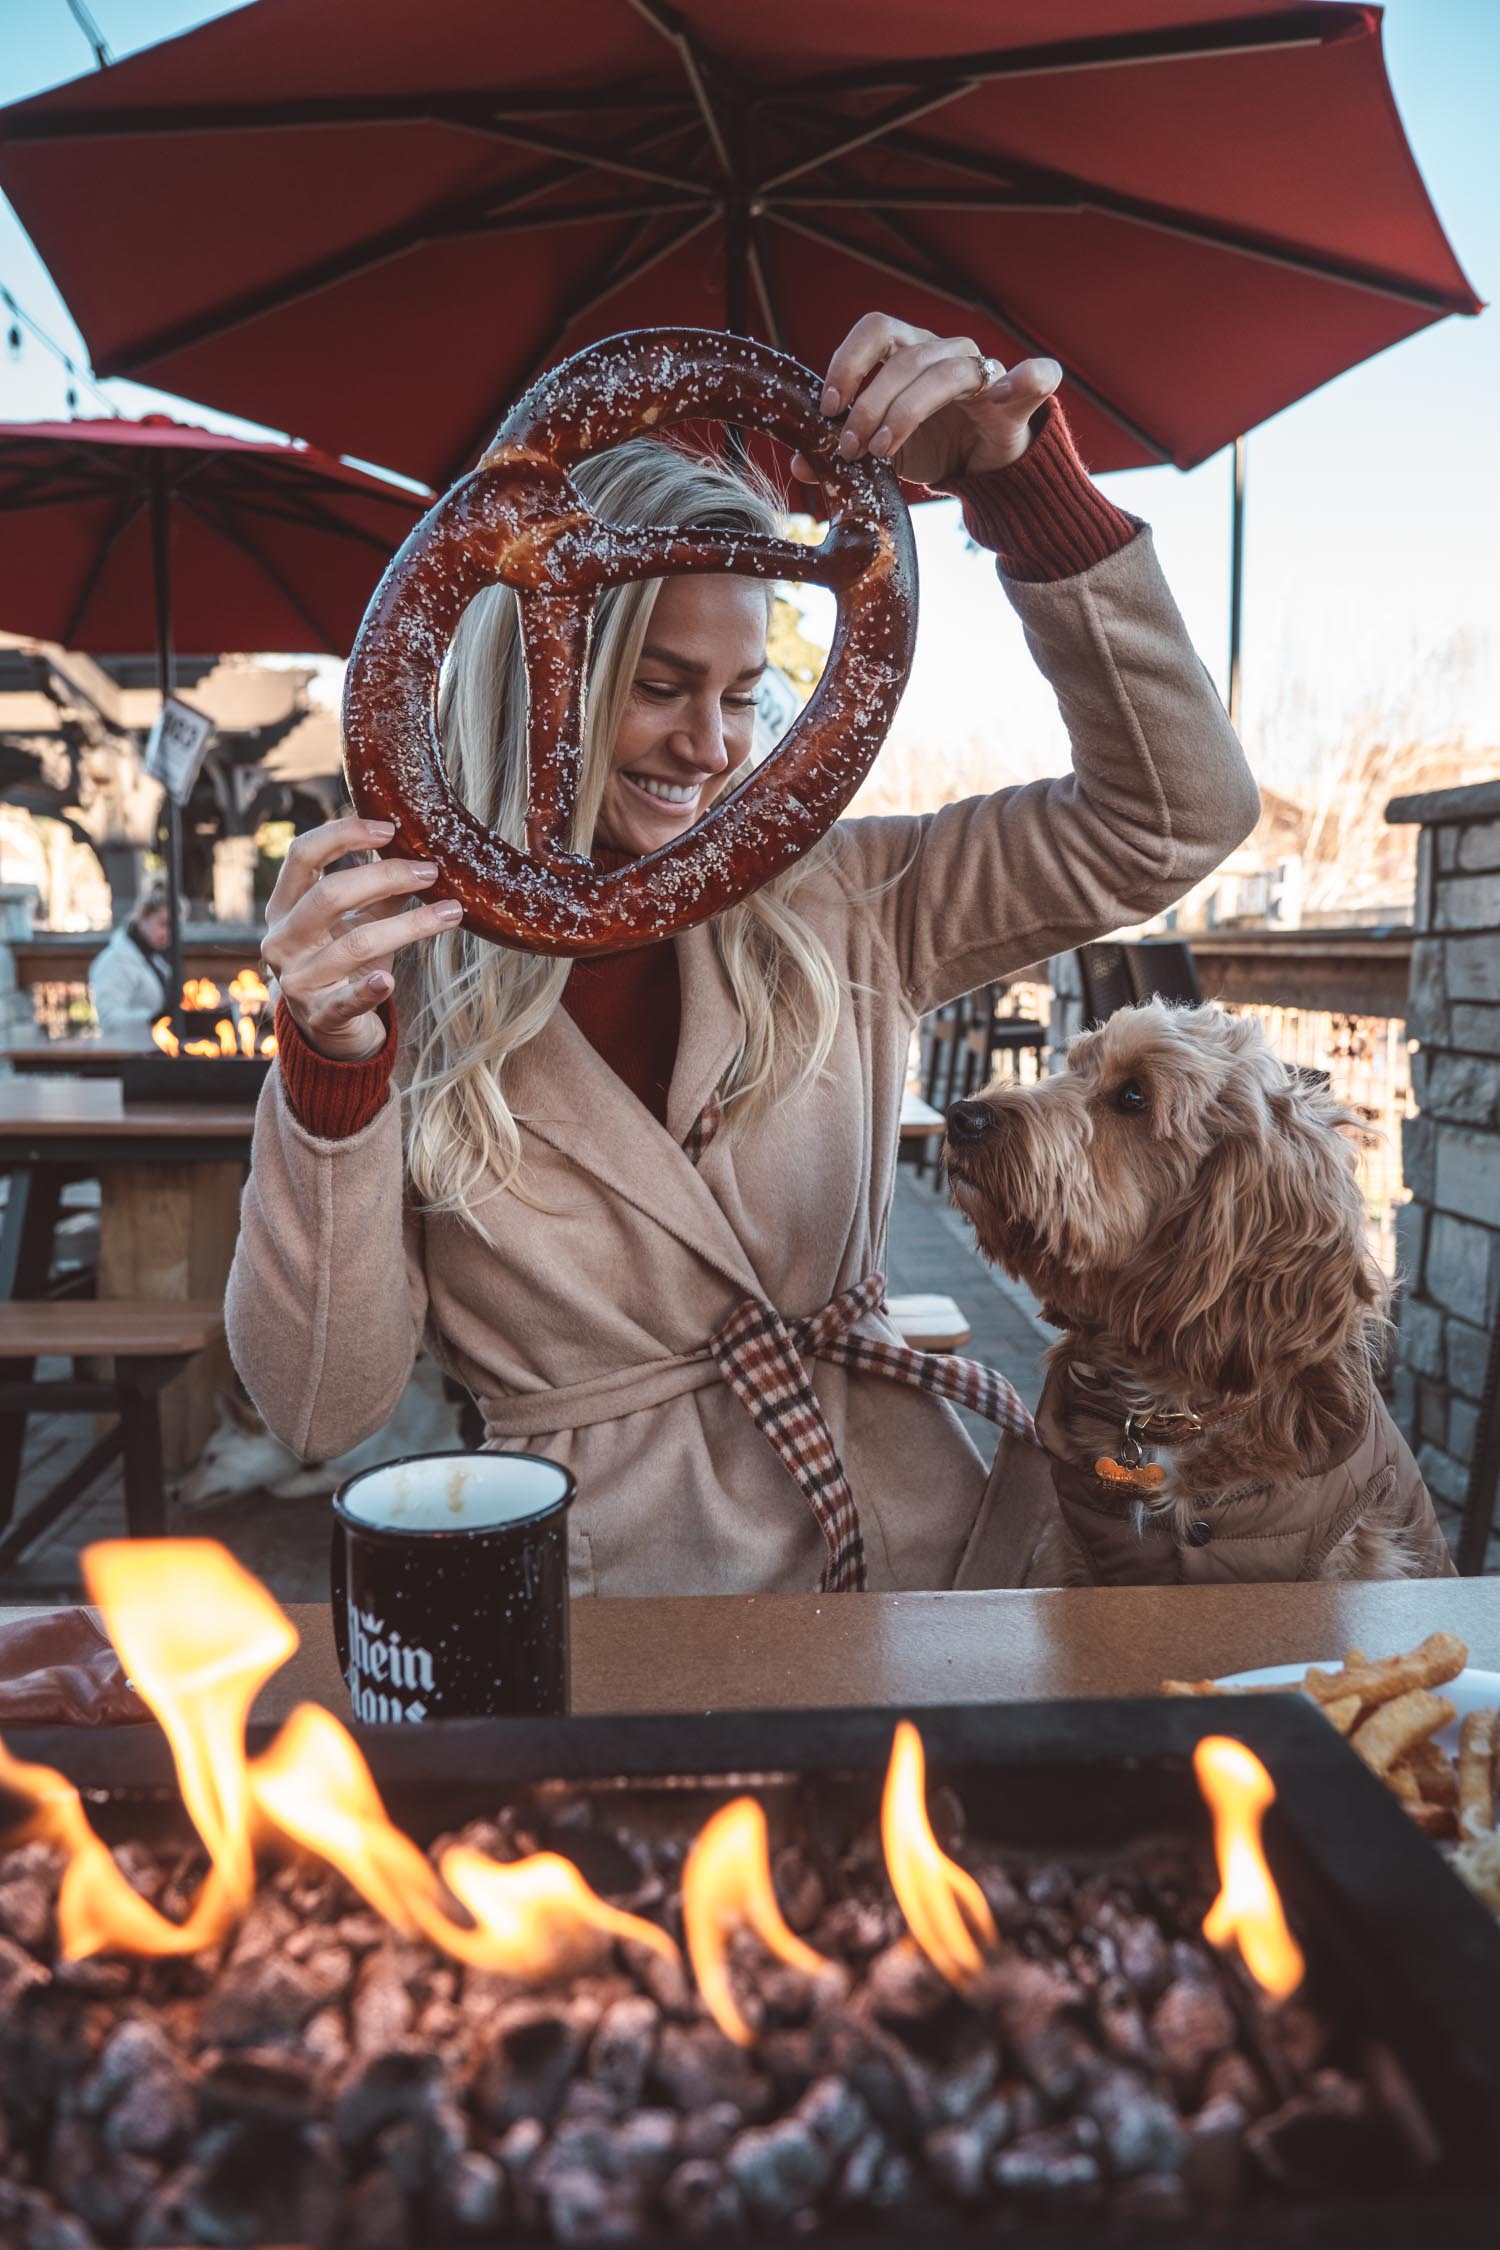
column 562, row 1090
column 710, row 1035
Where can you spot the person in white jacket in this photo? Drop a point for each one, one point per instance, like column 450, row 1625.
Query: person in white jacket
column 130, row 982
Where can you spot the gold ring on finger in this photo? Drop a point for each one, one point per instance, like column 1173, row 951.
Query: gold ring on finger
column 990, row 373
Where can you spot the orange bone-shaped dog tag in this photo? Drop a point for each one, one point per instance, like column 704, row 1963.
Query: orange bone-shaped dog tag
column 1146, row 1478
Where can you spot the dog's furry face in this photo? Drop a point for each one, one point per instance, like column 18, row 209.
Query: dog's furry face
column 1175, row 1188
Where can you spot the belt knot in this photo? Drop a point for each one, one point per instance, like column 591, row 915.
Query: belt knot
column 762, row 1357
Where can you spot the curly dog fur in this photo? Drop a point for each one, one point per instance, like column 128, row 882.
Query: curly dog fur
column 1188, row 1212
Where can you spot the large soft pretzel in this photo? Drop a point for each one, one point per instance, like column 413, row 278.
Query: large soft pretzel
column 519, row 519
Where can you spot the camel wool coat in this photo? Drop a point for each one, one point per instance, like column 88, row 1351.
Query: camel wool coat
column 580, row 1318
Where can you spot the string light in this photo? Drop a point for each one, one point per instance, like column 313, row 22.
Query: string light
column 21, row 320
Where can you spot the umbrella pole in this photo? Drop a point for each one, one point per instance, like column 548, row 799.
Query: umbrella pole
column 736, row 307
column 161, row 572
column 1236, row 575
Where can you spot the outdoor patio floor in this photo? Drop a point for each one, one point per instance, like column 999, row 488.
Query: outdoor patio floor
column 285, row 1542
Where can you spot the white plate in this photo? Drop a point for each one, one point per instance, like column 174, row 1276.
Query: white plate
column 1471, row 1691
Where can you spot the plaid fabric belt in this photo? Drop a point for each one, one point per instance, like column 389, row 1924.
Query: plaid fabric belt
column 761, row 1358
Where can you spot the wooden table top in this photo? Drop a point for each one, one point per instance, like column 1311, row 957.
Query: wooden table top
column 901, row 1650
column 92, row 1108
column 919, row 1120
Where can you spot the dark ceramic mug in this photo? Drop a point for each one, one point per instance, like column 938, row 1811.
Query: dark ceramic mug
column 450, row 1587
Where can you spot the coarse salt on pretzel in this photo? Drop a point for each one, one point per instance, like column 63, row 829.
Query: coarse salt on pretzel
column 520, row 520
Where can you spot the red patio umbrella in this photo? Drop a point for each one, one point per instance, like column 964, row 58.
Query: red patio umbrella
column 373, row 223
column 120, row 536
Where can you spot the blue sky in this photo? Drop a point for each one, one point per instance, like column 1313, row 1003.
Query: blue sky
column 1373, row 555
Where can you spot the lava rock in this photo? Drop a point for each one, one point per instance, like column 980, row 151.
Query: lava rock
column 799, row 1887
column 622, row 2049
column 1141, row 2129
column 706, row 2133
column 958, row 2156
column 780, row 2168
column 381, row 2011
column 1190, row 2024
column 104, row 2189
column 471, row 2197
column 834, row 2111
column 696, row 2066
column 1054, row 2162
column 701, row 2200
column 538, row 2049
column 387, row 2091
column 269, row 1997
column 18, row 1971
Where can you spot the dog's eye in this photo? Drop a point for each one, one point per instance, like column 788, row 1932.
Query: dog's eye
column 1130, row 1097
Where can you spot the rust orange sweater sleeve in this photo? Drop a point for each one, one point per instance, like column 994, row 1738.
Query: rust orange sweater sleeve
column 333, row 1100
column 1043, row 517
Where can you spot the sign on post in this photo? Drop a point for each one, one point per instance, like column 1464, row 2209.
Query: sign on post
column 175, row 747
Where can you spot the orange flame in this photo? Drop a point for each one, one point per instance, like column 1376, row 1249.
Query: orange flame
column 199, row 1638
column 946, row 1911
column 531, row 1919
column 206, row 1049
column 224, row 1033
column 248, row 992
column 247, row 1035
column 96, row 1906
column 201, row 992
column 165, row 1036
column 268, row 1044
column 1237, row 1790
column 726, row 1886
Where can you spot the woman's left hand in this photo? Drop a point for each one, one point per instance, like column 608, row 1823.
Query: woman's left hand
column 933, row 406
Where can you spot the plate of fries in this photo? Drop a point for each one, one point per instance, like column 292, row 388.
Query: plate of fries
column 1423, row 1721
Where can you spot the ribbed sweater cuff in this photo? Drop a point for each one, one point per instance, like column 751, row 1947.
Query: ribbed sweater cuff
column 1042, row 517
column 333, row 1100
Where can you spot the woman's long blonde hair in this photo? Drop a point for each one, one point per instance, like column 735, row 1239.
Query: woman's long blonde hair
column 476, row 1003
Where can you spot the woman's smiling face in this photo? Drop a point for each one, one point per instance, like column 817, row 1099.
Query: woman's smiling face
column 690, row 717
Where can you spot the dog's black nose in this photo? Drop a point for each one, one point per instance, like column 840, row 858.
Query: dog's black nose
column 970, row 1121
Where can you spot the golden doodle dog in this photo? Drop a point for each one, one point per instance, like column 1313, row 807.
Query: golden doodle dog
column 1188, row 1213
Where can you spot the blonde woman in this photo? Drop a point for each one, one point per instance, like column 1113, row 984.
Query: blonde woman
column 636, row 1205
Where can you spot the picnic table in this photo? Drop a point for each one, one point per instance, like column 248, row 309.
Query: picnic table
column 897, row 1651
column 169, row 1178
column 919, row 1120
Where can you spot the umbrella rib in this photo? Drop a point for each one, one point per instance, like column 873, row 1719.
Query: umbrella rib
column 1312, row 26
column 577, row 214
column 611, row 273
column 1063, row 190
column 578, row 153
column 339, row 266
column 216, row 519
column 859, row 132
column 129, row 508
column 951, row 282
column 463, row 109
column 671, row 26
column 277, row 502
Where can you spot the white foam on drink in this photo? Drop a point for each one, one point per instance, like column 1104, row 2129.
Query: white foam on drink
column 455, row 1492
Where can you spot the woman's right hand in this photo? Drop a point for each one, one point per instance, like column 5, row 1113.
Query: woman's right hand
column 329, row 938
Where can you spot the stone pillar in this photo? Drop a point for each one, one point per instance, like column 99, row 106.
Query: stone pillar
column 1448, row 1236
column 234, row 879
column 18, row 903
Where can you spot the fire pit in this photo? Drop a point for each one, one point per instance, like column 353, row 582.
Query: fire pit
column 609, row 1982
column 1102, row 2076
column 219, row 1051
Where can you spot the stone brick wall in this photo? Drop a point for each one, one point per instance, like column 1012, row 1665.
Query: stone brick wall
column 1448, row 1236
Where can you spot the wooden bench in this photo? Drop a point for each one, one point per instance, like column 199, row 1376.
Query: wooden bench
column 929, row 1323
column 146, row 1343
